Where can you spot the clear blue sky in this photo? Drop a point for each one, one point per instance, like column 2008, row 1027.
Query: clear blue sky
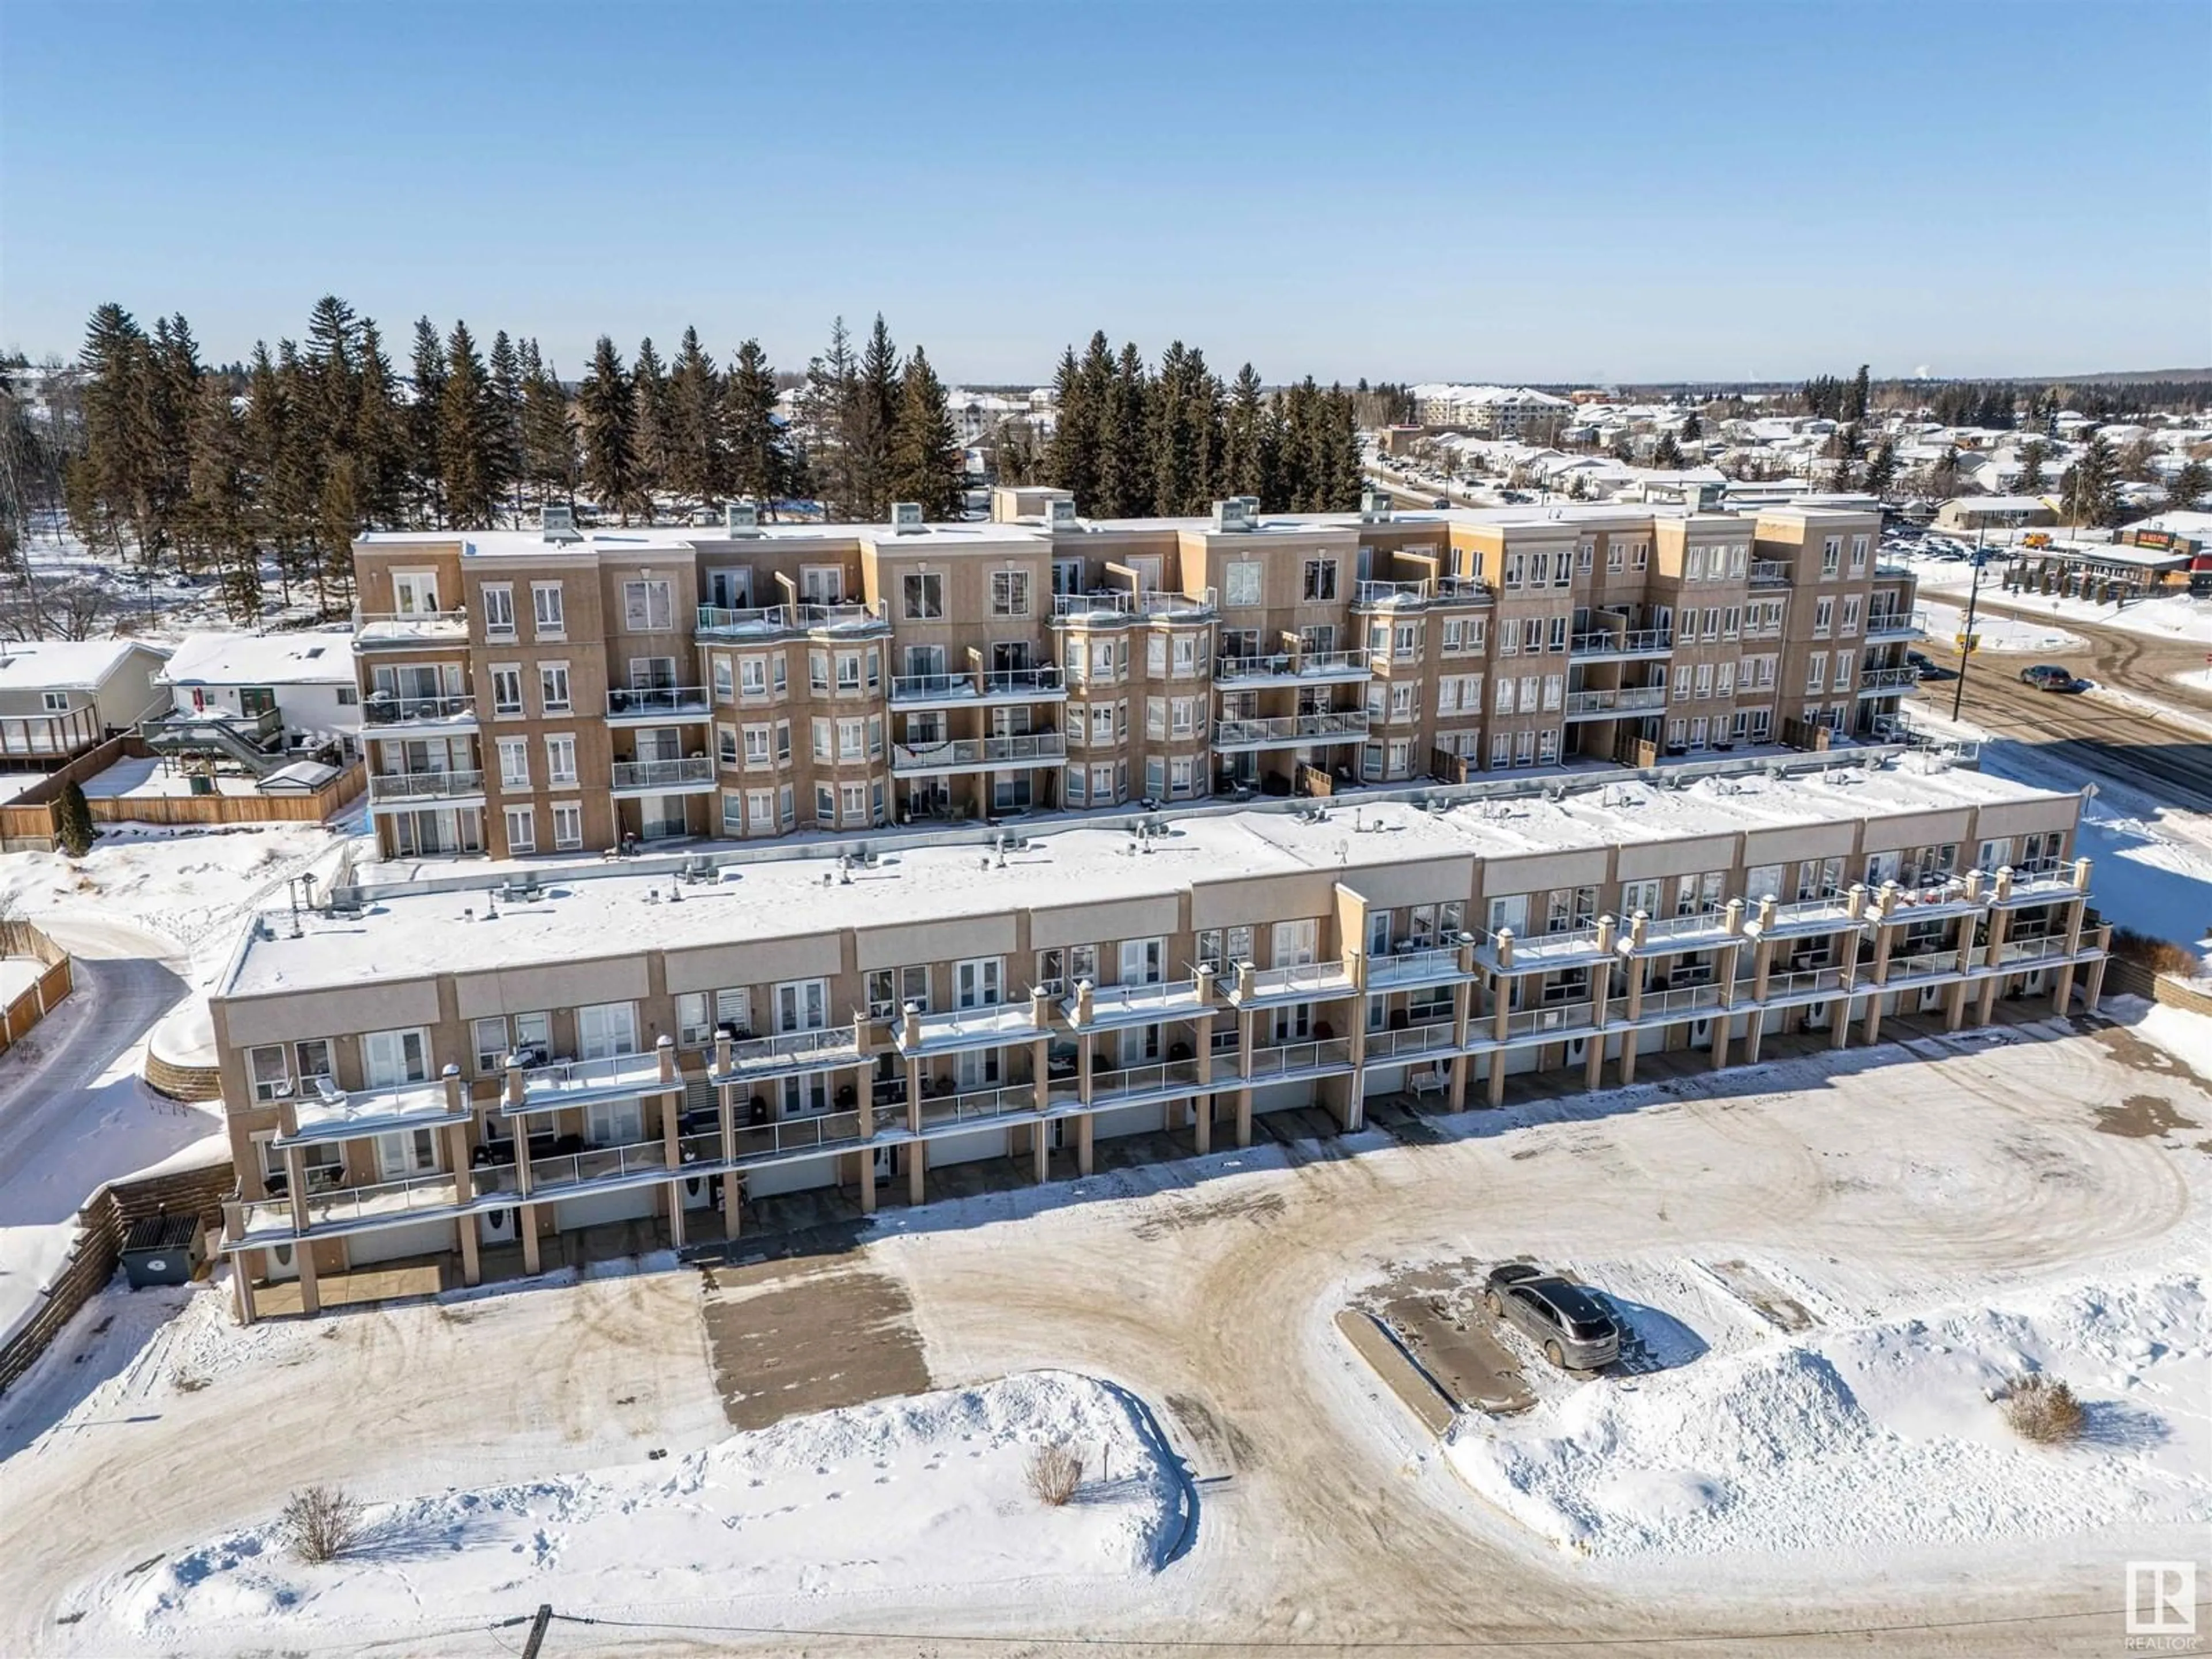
column 1546, row 191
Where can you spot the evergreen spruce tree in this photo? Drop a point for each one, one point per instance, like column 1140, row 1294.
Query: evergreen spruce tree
column 1125, row 475
column 1857, row 405
column 2092, row 487
column 1692, row 428
column 1881, row 471
column 1070, row 459
column 1014, row 456
column 868, row 415
column 1241, row 469
column 505, row 366
column 468, row 436
column 550, row 431
column 2032, row 453
column 2187, row 487
column 218, row 500
column 925, row 460
column 425, row 451
column 610, row 415
column 1667, row 453
column 74, row 827
column 113, row 474
column 698, row 458
column 379, row 444
column 1177, row 435
column 174, row 389
column 653, row 429
column 824, row 402
column 1340, row 476
column 758, row 463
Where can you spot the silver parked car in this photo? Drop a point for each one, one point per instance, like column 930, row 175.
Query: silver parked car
column 1575, row 1328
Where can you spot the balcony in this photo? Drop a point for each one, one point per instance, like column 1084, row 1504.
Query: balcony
column 1138, row 1004
column 377, row 630
column 993, row 1026
column 1038, row 749
column 1678, row 1002
column 824, row 1050
column 1134, row 1085
column 1886, row 625
column 1107, row 606
column 783, row 1138
column 1401, row 970
column 1288, row 668
column 1292, row 731
column 549, row 1177
column 692, row 775
column 326, row 1112
column 1280, row 1062
column 1814, row 984
column 390, row 789
column 347, row 1209
column 1280, row 987
column 388, row 715
column 658, row 705
column 47, row 737
column 1541, row 953
column 775, row 621
column 950, row 1113
column 1770, row 572
column 580, row 1082
column 1623, row 643
column 1888, row 681
column 1409, row 1043
column 1611, row 705
column 1419, row 595
column 998, row 685
column 1558, row 1019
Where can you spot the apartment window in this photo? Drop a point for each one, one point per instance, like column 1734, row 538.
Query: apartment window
column 1816, row 674
column 760, row 809
column 1846, row 669
column 1585, row 557
column 497, row 599
column 922, row 595
column 1010, row 592
column 514, row 763
column 1731, row 621
column 1639, row 895
column 1705, row 679
column 733, row 813
column 821, row 732
column 1524, row 749
column 1144, row 961
column 891, row 989
column 1156, row 777
column 1406, row 642
column 1859, row 556
column 1405, row 702
column 1504, row 694
column 546, row 610
column 1501, row 752
column 1850, row 616
column 721, row 679
column 1824, row 618
column 1724, row 680
column 1320, row 580
column 1190, row 654
column 1183, row 714
column 1554, row 686
column 1241, row 583
column 1693, row 565
column 757, row 745
column 1639, row 556
column 270, row 1070
column 848, row 670
column 507, row 689
column 648, row 606
column 561, row 760
column 1516, row 569
column 568, row 824
column 1712, row 622
column 1831, row 555
column 521, row 829
column 821, row 584
column 752, row 674
column 852, row 736
column 1532, row 634
column 787, row 809
column 853, row 804
column 1615, row 557
column 817, row 671
column 1448, row 695
column 825, row 807
column 389, row 1059
column 553, row 688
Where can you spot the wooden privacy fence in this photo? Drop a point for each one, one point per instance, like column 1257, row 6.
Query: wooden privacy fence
column 44, row 993
column 32, row 821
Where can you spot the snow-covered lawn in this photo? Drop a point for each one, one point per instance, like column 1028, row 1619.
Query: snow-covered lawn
column 18, row 975
column 150, row 777
column 1875, row 1436
column 2173, row 617
column 926, row 1494
column 1999, row 632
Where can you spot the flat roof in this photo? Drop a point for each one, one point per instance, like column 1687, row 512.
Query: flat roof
column 583, row 913
column 311, row 658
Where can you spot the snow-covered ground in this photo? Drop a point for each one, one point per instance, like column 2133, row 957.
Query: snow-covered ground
column 2174, row 616
column 18, row 975
column 1873, row 1436
column 1999, row 632
column 919, row 1496
column 150, row 777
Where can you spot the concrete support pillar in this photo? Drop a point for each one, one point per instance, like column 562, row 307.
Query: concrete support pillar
column 2063, row 995
column 295, row 1181
column 1084, row 1137
column 2094, row 994
column 913, row 1094
column 243, row 1267
column 1247, row 1028
column 2000, row 923
column 733, row 1198
column 465, row 1235
column 311, row 1298
column 1459, row 1070
column 1041, row 1150
column 1600, row 988
column 1637, row 924
column 676, row 1215
column 1201, row 1103
column 1244, row 1116
column 917, row 1161
column 526, row 1222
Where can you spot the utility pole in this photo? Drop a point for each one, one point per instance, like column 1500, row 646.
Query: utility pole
column 537, row 1630
column 1967, row 641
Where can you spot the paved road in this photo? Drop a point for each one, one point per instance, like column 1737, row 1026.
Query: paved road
column 2168, row 760
column 72, row 1114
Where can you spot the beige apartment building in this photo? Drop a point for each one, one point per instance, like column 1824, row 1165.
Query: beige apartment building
column 543, row 693
column 472, row 1075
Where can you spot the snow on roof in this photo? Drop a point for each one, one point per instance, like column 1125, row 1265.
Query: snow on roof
column 2005, row 503
column 584, row 913
column 300, row 777
column 65, row 664
column 261, row 659
column 2196, row 525
column 1479, row 395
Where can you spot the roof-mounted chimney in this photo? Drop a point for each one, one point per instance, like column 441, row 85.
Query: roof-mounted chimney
column 1060, row 513
column 1374, row 505
column 1237, row 513
column 906, row 517
column 558, row 524
column 740, row 518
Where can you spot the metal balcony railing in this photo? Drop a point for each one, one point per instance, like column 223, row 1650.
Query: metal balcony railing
column 409, row 627
column 1401, row 966
column 625, row 701
column 1409, row 1040
column 1339, row 727
column 820, row 1050
column 1563, row 1016
column 664, row 774
column 1125, row 602
column 424, row 786
column 1680, row 999
column 1770, row 572
column 978, row 1105
column 788, row 1137
column 381, row 709
column 993, row 682
column 804, row 617
column 1169, row 1076
column 1287, row 665
column 1611, row 642
column 1316, row 979
column 1627, row 700
column 598, row 1164
column 1038, row 748
column 1282, row 1059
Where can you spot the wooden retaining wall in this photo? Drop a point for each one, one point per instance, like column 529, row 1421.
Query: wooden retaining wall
column 102, row 1224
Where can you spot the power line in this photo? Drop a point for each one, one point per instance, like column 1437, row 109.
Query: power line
column 1500, row 1644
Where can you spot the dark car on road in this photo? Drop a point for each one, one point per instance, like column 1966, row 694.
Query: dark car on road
column 1574, row 1326
column 2050, row 677
column 1927, row 667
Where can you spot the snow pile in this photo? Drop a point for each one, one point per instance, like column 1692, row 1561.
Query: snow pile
column 923, row 1494
column 1999, row 632
column 1873, row 1436
column 185, row 1035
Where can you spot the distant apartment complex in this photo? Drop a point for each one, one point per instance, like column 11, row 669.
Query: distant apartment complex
column 465, row 1074
column 526, row 693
